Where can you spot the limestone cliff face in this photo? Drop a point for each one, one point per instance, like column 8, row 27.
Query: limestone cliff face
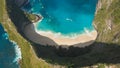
column 106, row 21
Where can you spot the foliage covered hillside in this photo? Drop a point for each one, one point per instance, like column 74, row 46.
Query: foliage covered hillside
column 107, row 21
column 29, row 59
column 104, row 53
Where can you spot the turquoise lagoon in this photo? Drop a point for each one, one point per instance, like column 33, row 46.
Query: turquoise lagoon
column 10, row 53
column 67, row 17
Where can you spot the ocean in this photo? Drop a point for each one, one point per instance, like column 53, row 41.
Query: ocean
column 66, row 17
column 10, row 53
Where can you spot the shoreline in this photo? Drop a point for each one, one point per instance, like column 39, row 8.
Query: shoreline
column 69, row 41
column 49, row 38
column 38, row 38
column 38, row 18
column 10, row 45
column 59, row 39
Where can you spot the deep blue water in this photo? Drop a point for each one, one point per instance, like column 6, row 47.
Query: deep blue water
column 9, row 51
column 64, row 16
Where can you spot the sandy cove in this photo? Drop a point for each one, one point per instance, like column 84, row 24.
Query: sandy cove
column 48, row 38
column 61, row 40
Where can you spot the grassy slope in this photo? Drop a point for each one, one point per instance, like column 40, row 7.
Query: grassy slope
column 105, row 35
column 29, row 60
column 103, row 16
column 1, row 9
column 101, row 21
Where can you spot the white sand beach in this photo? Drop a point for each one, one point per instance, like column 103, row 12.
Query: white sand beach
column 48, row 38
column 62, row 40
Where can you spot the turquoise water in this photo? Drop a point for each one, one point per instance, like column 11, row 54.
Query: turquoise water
column 9, row 51
column 64, row 16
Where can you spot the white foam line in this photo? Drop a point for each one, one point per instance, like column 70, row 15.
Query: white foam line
column 88, row 32
column 17, row 51
column 57, row 35
column 61, row 39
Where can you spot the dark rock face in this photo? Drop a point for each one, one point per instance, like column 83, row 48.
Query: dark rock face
column 21, row 3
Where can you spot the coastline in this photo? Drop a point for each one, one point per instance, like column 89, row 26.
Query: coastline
column 9, row 46
column 93, row 56
column 64, row 40
column 58, row 39
column 38, row 18
column 18, row 57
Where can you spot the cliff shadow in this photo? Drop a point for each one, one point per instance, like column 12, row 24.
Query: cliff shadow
column 80, row 57
column 71, row 56
column 21, row 23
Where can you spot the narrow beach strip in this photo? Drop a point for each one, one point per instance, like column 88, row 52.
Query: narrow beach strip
column 62, row 40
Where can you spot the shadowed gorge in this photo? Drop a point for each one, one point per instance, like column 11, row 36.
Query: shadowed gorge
column 80, row 57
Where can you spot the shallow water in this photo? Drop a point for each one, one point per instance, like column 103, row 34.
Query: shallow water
column 9, row 51
column 66, row 17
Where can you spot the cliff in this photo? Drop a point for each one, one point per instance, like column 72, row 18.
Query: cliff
column 107, row 21
column 29, row 59
column 104, row 53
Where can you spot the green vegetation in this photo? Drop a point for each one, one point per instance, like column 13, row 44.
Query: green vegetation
column 107, row 21
column 102, row 54
column 115, row 7
column 101, row 66
column 29, row 59
column 2, row 6
column 30, row 16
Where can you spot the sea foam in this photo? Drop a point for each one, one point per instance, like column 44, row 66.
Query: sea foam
column 66, row 17
column 10, row 53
